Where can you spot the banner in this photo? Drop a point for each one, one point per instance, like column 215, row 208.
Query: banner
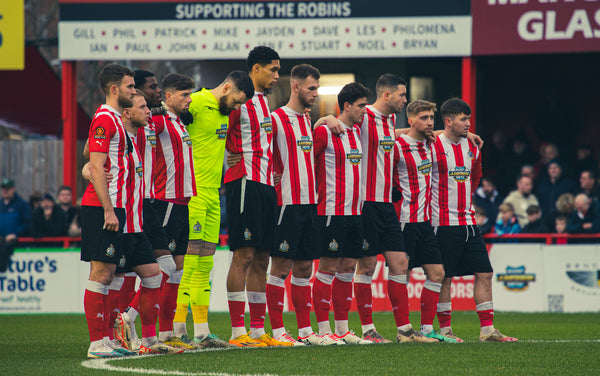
column 155, row 30
column 12, row 35
column 535, row 26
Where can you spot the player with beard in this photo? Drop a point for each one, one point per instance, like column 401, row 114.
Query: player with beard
column 208, row 131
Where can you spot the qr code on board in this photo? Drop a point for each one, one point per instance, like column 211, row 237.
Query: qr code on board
column 556, row 303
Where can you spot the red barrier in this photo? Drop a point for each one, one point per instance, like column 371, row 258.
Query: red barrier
column 66, row 240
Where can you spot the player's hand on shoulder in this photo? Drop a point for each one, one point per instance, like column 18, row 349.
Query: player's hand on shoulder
column 475, row 139
column 233, row 159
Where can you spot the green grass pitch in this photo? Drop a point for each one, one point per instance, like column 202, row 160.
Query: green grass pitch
column 550, row 344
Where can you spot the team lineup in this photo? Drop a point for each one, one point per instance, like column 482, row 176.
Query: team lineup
column 295, row 192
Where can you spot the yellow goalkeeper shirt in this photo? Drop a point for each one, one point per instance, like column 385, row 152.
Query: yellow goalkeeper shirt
column 208, row 132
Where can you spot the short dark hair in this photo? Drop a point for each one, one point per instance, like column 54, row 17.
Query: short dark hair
column 140, row 77
column 533, row 209
column 303, row 71
column 592, row 173
column 64, row 188
column 351, row 93
column 242, row 81
column 112, row 74
column 176, row 81
column 388, row 81
column 453, row 107
column 489, row 180
column 262, row 55
column 417, row 106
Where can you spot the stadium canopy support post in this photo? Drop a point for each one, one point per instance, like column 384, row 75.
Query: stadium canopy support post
column 69, row 118
column 469, row 86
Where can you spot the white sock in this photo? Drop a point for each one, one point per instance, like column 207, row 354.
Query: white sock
column 201, row 330
column 341, row 327
column 305, row 332
column 180, row 329
column 277, row 332
column 324, row 328
column 237, row 331
column 366, row 328
column 256, row 332
column 163, row 336
column 406, row 327
column 426, row 329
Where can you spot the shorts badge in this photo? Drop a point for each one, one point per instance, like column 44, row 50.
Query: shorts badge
column 172, row 245
column 110, row 251
column 333, row 246
column 197, row 227
column 365, row 246
column 247, row 234
column 284, row 247
column 122, row 262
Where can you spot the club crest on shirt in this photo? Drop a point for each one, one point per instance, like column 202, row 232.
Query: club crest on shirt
column 425, row 167
column 365, row 246
column 266, row 124
column 222, row 132
column 470, row 155
column 333, row 246
column 387, row 143
column 305, row 144
column 172, row 245
column 151, row 138
column 284, row 247
column 140, row 170
column 247, row 234
column 110, row 251
column 100, row 134
column 354, row 157
column 460, row 174
column 122, row 261
column 197, row 227
column 185, row 137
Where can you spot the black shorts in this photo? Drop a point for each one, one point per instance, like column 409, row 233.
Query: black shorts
column 137, row 251
column 175, row 222
column 98, row 244
column 382, row 228
column 421, row 244
column 297, row 232
column 152, row 226
column 341, row 236
column 252, row 214
column 463, row 250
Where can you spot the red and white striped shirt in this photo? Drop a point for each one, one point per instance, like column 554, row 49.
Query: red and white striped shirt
column 250, row 134
column 412, row 176
column 378, row 140
column 174, row 166
column 146, row 141
column 293, row 157
column 107, row 135
column 134, row 187
column 456, row 173
column 338, row 160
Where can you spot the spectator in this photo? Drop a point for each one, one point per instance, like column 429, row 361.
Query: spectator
column 555, row 185
column 507, row 223
column 585, row 161
column 585, row 219
column 75, row 226
column 498, row 153
column 35, row 199
column 15, row 218
column 588, row 185
column 560, row 227
column 483, row 221
column 487, row 197
column 65, row 204
column 522, row 198
column 564, row 206
column 529, row 171
column 535, row 225
column 521, row 154
column 548, row 153
column 48, row 219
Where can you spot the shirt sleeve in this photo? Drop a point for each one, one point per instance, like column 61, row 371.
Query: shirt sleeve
column 476, row 172
column 320, row 139
column 102, row 130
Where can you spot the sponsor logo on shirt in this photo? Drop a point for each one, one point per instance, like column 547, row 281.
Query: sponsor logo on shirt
column 140, row 170
column 185, row 137
column 387, row 143
column 100, row 133
column 460, row 174
column 266, row 124
column 151, row 138
column 425, row 167
column 354, row 157
column 284, row 247
column 305, row 144
column 222, row 132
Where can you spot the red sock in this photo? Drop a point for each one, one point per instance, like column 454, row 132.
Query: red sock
column 321, row 300
column 444, row 318
column 341, row 297
column 237, row 312
column 135, row 302
column 113, row 305
column 127, row 292
column 149, row 308
column 429, row 302
column 106, row 304
column 168, row 306
column 364, row 302
column 257, row 310
column 486, row 317
column 93, row 304
column 275, row 297
column 398, row 295
column 302, row 305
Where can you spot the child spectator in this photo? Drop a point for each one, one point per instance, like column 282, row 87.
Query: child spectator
column 560, row 227
column 507, row 223
column 535, row 225
column 483, row 221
